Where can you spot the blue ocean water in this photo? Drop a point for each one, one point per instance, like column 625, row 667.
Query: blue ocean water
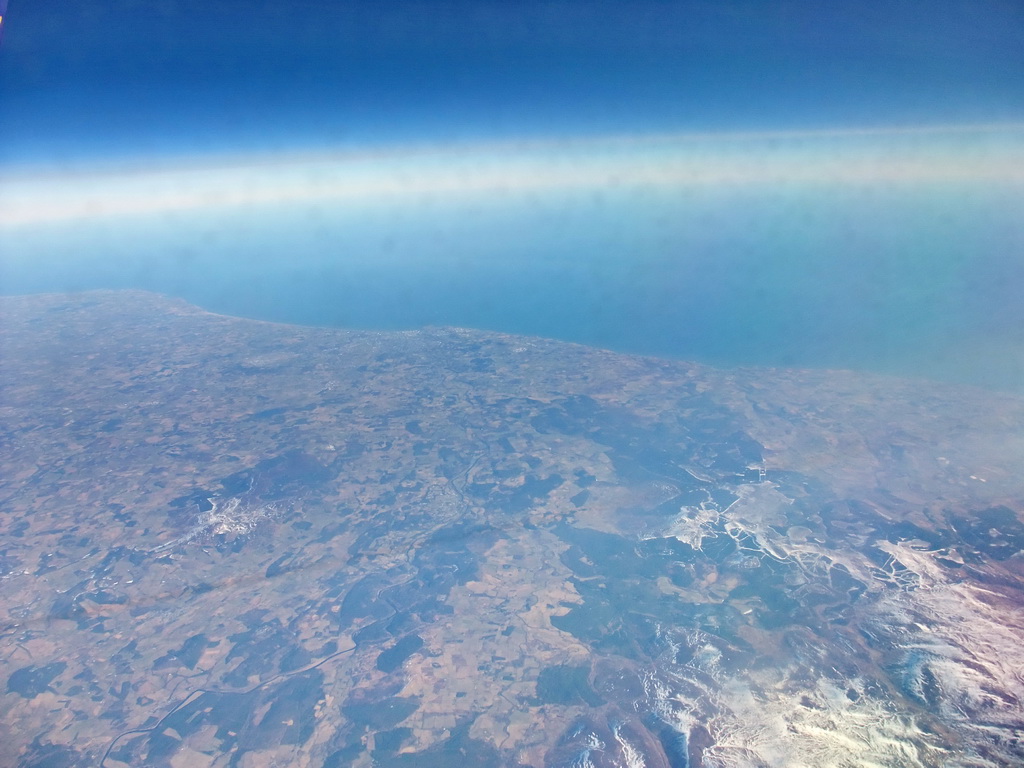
column 914, row 280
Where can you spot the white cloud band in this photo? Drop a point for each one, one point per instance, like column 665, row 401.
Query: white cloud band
column 978, row 154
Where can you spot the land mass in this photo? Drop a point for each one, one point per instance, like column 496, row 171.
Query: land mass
column 225, row 542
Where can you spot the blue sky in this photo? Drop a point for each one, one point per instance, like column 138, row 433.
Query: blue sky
column 132, row 79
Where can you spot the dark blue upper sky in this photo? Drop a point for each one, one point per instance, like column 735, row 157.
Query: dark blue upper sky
column 131, row 78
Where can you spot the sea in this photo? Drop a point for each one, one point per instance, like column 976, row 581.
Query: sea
column 921, row 280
